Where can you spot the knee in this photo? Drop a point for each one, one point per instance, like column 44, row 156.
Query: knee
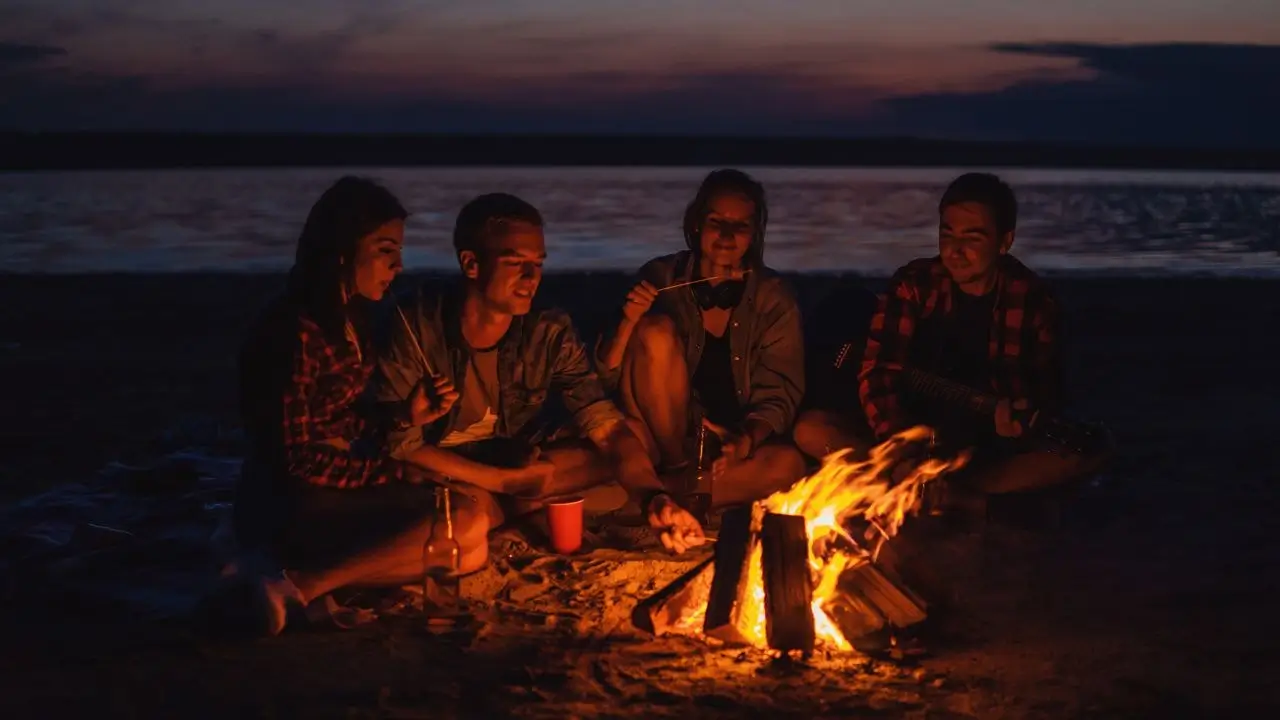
column 655, row 335
column 473, row 559
column 471, row 529
column 813, row 433
column 786, row 464
column 471, row 525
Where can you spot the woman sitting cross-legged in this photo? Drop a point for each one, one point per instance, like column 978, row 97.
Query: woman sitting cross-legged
column 319, row 495
column 710, row 336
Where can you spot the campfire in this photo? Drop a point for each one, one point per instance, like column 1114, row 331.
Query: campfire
column 799, row 569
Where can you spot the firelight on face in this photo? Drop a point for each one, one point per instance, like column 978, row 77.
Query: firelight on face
column 969, row 242
column 378, row 260
column 727, row 230
column 511, row 267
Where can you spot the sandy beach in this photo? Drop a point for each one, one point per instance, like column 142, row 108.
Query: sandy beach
column 1155, row 600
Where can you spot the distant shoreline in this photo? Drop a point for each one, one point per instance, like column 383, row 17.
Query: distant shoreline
column 25, row 151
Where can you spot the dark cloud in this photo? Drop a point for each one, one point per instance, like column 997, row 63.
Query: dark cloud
column 37, row 19
column 729, row 104
column 1170, row 94
column 18, row 55
column 1176, row 94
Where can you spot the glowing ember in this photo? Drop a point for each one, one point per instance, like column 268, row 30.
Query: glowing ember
column 840, row 490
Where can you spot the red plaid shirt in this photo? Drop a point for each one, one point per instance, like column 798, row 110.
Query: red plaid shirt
column 327, row 442
column 1023, row 348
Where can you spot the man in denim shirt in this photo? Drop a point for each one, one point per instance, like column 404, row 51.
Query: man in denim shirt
column 504, row 359
column 711, row 339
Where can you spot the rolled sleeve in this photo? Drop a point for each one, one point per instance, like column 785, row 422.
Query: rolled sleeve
column 777, row 378
column 577, row 383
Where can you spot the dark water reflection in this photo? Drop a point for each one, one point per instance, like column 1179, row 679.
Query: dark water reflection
column 867, row 220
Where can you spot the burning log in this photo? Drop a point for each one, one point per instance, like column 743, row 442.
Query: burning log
column 788, row 583
column 724, row 603
column 673, row 607
column 853, row 616
column 867, row 585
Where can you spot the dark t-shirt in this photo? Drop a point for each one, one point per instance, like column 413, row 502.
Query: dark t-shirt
column 956, row 346
column 713, row 382
column 969, row 328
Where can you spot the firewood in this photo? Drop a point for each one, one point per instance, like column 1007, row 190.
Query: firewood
column 852, row 614
column 733, row 548
column 788, row 583
column 896, row 603
column 664, row 610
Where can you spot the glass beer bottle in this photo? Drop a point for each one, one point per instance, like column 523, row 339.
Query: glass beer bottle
column 441, row 557
column 698, row 497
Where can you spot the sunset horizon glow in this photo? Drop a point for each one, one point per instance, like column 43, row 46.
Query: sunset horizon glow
column 569, row 65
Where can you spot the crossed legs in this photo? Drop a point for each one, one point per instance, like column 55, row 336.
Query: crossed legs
column 655, row 393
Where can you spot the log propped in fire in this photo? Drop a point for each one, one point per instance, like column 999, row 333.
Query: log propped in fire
column 868, row 598
column 676, row 605
column 724, row 619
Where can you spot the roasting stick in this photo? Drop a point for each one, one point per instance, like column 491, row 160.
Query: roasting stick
column 416, row 344
column 734, row 276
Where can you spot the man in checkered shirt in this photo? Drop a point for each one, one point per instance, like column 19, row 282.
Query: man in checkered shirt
column 977, row 316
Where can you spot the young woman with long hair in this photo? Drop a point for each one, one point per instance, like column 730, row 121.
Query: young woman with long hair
column 320, row 494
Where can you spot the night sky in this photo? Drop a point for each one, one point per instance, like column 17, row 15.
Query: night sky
column 1180, row 72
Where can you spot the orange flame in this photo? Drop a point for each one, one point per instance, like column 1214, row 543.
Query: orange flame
column 842, row 489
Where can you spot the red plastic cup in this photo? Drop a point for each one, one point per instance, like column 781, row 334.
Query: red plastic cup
column 564, row 517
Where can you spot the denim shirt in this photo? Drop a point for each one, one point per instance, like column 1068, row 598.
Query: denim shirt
column 766, row 341
column 539, row 353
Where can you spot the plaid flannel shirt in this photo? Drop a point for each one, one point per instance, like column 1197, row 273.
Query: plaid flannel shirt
column 1023, row 349
column 326, row 441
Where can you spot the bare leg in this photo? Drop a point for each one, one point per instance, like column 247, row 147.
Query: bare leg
column 388, row 564
column 1045, row 479
column 579, row 465
column 772, row 468
column 818, row 433
column 642, row 434
column 655, row 386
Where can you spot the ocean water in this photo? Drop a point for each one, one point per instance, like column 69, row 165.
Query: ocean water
column 868, row 220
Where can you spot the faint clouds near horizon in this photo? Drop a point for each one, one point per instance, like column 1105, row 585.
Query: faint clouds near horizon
column 1131, row 70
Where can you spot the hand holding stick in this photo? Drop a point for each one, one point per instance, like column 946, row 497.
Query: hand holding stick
column 735, row 275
